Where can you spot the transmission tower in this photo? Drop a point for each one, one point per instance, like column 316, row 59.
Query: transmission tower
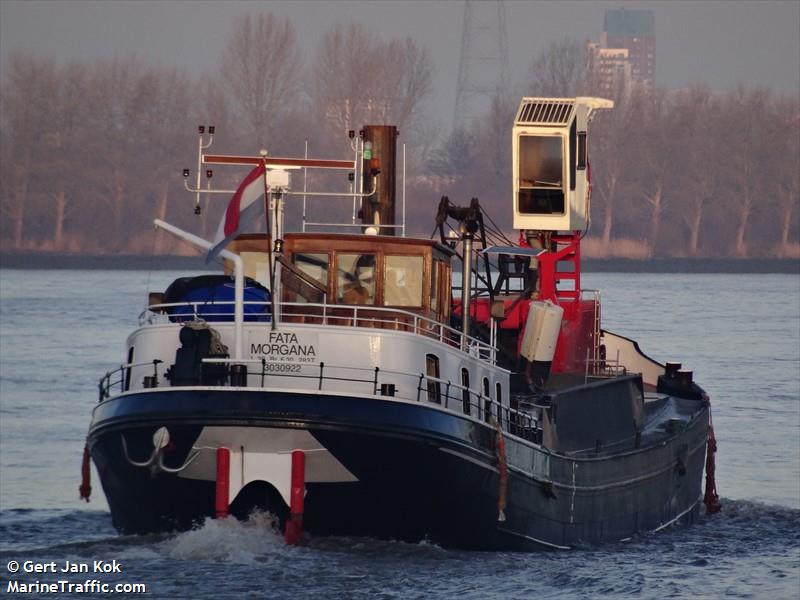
column 483, row 67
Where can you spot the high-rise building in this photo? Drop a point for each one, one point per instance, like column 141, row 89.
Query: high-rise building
column 610, row 69
column 635, row 31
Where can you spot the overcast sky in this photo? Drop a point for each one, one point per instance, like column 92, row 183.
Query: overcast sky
column 720, row 42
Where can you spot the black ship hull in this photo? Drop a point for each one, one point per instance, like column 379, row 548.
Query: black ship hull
column 419, row 471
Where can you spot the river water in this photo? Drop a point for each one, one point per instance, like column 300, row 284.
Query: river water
column 61, row 330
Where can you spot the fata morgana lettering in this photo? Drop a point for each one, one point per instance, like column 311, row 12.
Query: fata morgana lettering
column 283, row 344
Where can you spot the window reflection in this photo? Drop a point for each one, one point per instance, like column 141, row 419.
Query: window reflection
column 403, row 281
column 313, row 265
column 355, row 281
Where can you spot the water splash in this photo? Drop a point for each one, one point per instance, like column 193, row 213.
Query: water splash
column 228, row 540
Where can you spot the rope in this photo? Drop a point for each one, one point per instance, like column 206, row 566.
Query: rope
column 711, row 498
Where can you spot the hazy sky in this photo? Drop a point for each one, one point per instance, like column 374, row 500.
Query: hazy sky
column 718, row 42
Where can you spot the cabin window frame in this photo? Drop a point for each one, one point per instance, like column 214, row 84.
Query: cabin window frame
column 528, row 190
column 583, row 151
column 432, row 370
column 433, row 292
column 498, row 396
column 573, row 158
column 465, row 403
column 487, row 400
column 446, row 292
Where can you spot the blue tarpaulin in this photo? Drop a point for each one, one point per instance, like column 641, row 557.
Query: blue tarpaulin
column 212, row 297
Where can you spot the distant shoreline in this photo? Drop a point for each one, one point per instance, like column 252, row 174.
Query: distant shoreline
column 40, row 261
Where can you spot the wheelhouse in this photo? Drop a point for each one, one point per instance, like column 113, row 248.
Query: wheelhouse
column 411, row 275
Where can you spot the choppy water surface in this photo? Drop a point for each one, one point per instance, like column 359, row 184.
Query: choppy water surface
column 61, row 330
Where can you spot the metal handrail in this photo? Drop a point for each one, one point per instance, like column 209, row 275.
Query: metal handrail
column 419, row 324
column 511, row 420
column 477, row 400
column 105, row 388
column 160, row 309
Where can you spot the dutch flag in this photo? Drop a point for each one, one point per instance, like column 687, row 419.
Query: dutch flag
column 242, row 207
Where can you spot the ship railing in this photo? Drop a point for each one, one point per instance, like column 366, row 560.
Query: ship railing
column 599, row 449
column 405, row 385
column 380, row 317
column 121, row 376
column 603, row 368
column 221, row 310
column 490, row 410
column 345, row 315
column 594, row 296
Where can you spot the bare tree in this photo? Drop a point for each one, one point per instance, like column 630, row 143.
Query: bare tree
column 457, row 156
column 787, row 171
column 170, row 135
column 27, row 88
column 653, row 141
column 408, row 84
column 493, row 136
column 611, row 163
column 64, row 142
column 560, row 70
column 746, row 145
column 261, row 69
column 117, row 96
column 360, row 79
column 696, row 160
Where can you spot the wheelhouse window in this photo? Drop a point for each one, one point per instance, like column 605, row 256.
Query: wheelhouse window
column 541, row 186
column 434, row 387
column 355, row 278
column 403, row 281
column 256, row 266
column 315, row 265
column 298, row 286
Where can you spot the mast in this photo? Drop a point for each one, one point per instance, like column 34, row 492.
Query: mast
column 380, row 155
column 466, row 282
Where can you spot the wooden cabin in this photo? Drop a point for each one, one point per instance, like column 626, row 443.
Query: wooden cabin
column 398, row 277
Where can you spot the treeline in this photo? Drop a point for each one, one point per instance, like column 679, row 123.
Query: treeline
column 90, row 153
column 693, row 173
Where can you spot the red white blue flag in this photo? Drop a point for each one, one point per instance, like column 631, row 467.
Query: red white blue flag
column 243, row 207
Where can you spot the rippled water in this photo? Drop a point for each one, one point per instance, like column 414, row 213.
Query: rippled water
column 61, row 330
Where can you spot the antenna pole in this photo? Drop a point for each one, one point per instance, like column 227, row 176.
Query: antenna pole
column 270, row 241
